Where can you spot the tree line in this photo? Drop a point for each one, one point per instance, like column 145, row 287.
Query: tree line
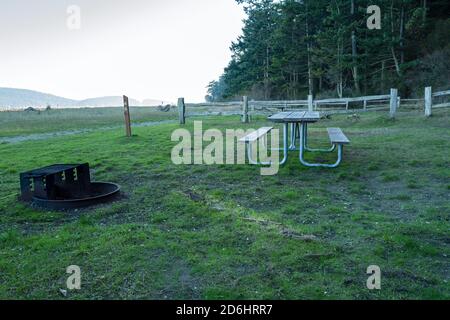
column 289, row 49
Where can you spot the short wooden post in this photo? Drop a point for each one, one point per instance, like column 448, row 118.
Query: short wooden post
column 394, row 103
column 365, row 105
column 126, row 106
column 245, row 118
column 182, row 110
column 428, row 101
column 310, row 103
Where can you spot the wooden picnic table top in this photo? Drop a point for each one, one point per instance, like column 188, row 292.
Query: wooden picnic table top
column 295, row 116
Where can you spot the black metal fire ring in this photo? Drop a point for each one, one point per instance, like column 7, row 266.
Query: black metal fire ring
column 108, row 192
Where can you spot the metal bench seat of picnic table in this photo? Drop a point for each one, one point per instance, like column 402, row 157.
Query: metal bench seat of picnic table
column 254, row 137
column 338, row 139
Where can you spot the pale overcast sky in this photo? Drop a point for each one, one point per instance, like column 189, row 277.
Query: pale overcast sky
column 143, row 48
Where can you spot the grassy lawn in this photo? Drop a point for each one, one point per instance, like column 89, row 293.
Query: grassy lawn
column 226, row 232
column 24, row 123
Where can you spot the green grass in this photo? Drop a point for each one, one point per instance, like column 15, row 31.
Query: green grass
column 226, row 232
column 23, row 123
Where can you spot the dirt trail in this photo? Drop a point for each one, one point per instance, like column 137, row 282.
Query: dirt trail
column 49, row 135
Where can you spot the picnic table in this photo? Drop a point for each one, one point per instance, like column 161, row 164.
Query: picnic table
column 297, row 122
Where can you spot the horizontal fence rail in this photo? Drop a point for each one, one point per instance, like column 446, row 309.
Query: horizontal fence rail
column 441, row 94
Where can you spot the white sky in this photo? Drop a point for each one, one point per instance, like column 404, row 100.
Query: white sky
column 160, row 49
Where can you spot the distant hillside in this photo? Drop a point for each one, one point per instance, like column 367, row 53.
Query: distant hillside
column 17, row 98
column 112, row 101
column 153, row 103
column 22, row 98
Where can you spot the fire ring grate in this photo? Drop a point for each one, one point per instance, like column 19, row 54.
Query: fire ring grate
column 64, row 187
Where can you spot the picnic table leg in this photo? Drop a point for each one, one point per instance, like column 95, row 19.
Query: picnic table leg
column 293, row 136
column 264, row 140
column 285, row 149
column 305, row 142
column 312, row 165
column 250, row 154
column 285, row 144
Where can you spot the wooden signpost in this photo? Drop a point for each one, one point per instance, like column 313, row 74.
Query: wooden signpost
column 126, row 106
column 182, row 110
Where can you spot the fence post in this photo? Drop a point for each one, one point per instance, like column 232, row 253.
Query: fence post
column 245, row 118
column 182, row 110
column 428, row 101
column 310, row 103
column 365, row 105
column 394, row 103
column 126, row 107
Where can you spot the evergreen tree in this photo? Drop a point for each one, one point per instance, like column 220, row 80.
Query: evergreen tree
column 292, row 48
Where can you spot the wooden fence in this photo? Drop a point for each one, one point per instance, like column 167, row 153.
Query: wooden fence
column 246, row 108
